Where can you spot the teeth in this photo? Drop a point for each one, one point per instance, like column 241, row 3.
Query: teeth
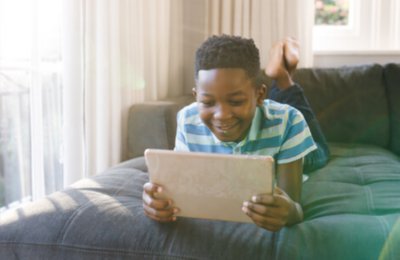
column 225, row 127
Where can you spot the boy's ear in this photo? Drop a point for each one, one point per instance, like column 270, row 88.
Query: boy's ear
column 261, row 91
column 194, row 92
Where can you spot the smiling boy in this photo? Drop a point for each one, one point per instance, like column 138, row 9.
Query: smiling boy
column 231, row 116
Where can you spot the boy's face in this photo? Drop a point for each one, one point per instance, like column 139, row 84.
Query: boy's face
column 227, row 100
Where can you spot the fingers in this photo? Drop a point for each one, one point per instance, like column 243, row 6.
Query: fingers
column 269, row 211
column 156, row 208
column 277, row 209
column 151, row 187
column 266, row 199
column 151, row 201
column 278, row 199
column 166, row 215
column 266, row 221
column 279, row 191
column 150, row 191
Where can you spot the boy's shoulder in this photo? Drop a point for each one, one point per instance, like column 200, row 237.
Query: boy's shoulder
column 191, row 106
column 189, row 114
column 189, row 110
column 273, row 109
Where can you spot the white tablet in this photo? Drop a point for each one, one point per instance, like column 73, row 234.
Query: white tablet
column 208, row 185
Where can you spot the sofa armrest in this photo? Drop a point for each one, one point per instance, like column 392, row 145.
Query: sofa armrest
column 153, row 124
column 137, row 163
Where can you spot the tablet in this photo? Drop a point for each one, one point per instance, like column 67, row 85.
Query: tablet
column 209, row 185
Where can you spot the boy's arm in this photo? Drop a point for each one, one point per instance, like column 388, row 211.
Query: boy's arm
column 283, row 60
column 273, row 212
column 294, row 96
column 289, row 177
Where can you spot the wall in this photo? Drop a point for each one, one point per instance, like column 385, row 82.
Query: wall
column 350, row 58
column 194, row 33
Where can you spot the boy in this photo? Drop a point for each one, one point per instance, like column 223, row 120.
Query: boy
column 231, row 116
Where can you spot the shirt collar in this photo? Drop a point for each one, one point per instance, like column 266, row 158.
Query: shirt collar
column 251, row 135
column 255, row 124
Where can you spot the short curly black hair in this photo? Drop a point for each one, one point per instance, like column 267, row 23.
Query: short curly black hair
column 226, row 51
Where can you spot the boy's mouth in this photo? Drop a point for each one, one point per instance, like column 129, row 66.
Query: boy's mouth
column 225, row 128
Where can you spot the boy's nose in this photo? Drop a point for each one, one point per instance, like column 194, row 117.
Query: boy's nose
column 222, row 112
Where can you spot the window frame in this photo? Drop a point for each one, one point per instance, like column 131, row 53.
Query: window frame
column 372, row 26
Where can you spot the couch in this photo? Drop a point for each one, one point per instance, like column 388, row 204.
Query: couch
column 351, row 206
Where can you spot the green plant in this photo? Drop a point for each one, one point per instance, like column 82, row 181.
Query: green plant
column 330, row 12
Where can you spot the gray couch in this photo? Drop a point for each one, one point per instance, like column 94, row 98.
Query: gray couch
column 352, row 206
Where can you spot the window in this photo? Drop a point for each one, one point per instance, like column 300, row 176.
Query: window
column 332, row 12
column 354, row 25
column 30, row 99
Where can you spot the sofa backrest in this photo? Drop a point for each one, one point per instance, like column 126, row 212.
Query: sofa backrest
column 351, row 103
column 153, row 125
column 392, row 79
column 358, row 104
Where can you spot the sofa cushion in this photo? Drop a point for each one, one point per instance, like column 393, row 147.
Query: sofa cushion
column 102, row 218
column 392, row 77
column 358, row 179
column 350, row 102
column 352, row 209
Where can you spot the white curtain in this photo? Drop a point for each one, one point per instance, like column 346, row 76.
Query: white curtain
column 30, row 99
column 266, row 21
column 116, row 53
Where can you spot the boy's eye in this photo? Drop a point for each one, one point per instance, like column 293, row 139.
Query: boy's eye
column 207, row 103
column 236, row 102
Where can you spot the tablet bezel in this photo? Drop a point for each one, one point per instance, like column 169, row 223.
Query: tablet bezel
column 199, row 185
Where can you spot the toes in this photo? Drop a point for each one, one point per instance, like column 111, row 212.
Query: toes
column 291, row 53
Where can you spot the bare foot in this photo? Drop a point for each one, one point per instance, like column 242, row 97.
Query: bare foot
column 292, row 55
column 276, row 67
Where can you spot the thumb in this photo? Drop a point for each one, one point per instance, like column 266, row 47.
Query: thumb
column 279, row 191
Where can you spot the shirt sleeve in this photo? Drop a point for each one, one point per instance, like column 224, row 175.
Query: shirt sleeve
column 180, row 138
column 297, row 140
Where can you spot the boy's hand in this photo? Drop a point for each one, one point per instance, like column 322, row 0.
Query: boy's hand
column 273, row 212
column 155, row 208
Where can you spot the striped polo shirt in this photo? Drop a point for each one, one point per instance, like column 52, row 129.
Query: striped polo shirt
column 278, row 130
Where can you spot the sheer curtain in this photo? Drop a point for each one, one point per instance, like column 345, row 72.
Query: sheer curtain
column 116, row 53
column 66, row 84
column 266, row 21
column 30, row 99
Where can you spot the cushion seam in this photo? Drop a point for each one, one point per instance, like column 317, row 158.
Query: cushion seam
column 93, row 250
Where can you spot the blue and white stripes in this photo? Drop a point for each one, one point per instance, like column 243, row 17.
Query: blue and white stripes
column 277, row 129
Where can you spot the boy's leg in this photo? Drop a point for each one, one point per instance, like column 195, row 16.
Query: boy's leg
column 295, row 97
column 283, row 61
